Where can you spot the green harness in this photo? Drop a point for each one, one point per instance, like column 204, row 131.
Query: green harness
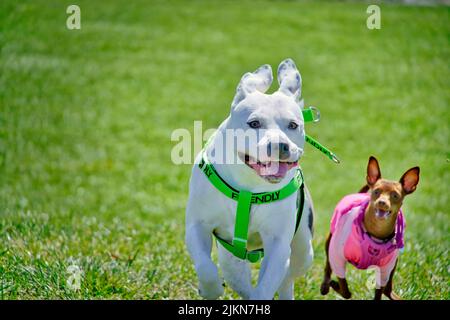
column 245, row 199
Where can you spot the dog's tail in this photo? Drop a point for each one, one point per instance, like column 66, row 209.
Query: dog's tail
column 364, row 189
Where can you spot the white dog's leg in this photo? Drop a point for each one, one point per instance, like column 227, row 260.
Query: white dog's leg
column 273, row 268
column 286, row 290
column 300, row 261
column 199, row 244
column 302, row 251
column 236, row 272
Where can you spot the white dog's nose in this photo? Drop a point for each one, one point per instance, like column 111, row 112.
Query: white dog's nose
column 280, row 148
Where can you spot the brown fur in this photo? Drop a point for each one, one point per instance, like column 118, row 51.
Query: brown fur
column 388, row 196
column 385, row 195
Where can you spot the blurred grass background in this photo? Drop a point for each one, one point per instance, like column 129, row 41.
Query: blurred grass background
column 86, row 117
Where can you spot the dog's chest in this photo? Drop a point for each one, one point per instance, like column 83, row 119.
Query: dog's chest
column 218, row 213
column 264, row 218
column 226, row 219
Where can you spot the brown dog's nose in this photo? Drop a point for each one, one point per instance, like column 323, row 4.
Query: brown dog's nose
column 383, row 204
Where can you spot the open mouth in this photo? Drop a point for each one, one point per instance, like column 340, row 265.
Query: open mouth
column 382, row 214
column 272, row 171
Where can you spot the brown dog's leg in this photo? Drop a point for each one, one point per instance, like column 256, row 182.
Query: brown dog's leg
column 378, row 293
column 388, row 289
column 325, row 287
column 341, row 287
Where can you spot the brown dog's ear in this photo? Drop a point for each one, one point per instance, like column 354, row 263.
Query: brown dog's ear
column 373, row 171
column 410, row 179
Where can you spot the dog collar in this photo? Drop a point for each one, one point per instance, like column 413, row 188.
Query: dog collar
column 245, row 199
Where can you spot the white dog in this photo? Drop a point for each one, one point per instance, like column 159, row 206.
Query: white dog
column 288, row 253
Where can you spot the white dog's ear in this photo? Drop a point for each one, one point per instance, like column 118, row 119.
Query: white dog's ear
column 259, row 80
column 289, row 79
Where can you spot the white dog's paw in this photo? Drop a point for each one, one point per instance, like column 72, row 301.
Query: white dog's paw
column 257, row 295
column 211, row 291
column 210, row 285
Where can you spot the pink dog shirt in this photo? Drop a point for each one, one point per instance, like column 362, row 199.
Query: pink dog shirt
column 351, row 243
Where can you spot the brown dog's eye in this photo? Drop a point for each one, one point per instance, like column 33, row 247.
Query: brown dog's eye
column 395, row 196
column 376, row 192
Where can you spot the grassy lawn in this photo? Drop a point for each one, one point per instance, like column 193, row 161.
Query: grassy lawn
column 86, row 116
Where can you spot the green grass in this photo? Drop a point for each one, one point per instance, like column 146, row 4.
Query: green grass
column 86, row 116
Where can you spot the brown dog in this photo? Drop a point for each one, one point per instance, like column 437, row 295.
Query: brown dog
column 367, row 231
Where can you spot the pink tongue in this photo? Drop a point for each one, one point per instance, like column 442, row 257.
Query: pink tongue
column 277, row 169
column 381, row 213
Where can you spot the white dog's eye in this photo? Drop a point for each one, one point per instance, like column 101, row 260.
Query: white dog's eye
column 292, row 125
column 255, row 124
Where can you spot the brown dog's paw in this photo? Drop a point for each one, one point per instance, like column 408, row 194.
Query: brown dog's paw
column 336, row 287
column 325, row 288
column 346, row 295
column 393, row 296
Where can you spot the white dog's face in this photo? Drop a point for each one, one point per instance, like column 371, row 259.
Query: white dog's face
column 275, row 120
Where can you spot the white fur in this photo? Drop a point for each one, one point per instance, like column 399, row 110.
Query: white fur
column 271, row 225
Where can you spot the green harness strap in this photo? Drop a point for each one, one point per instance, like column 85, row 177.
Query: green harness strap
column 245, row 199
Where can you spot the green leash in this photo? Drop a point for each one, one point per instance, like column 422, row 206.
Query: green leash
column 245, row 199
column 313, row 115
